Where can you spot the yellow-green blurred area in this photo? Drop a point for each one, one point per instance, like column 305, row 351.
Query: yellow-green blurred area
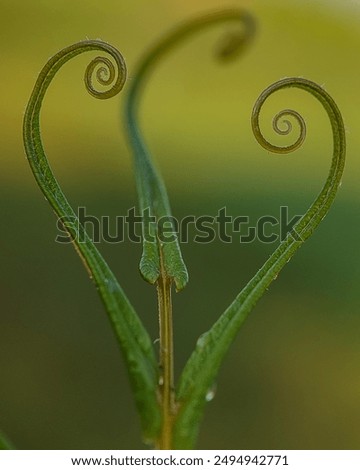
column 292, row 378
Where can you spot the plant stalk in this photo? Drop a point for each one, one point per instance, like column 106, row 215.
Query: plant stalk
column 166, row 382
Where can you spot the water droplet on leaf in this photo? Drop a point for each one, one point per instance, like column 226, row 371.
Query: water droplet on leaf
column 210, row 394
column 200, row 343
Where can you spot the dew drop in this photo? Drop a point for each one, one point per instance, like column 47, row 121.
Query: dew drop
column 210, row 393
column 200, row 343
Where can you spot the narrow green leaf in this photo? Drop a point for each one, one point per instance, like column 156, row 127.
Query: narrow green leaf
column 5, row 443
column 202, row 368
column 152, row 193
column 134, row 341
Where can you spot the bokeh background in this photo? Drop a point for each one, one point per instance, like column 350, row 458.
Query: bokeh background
column 291, row 380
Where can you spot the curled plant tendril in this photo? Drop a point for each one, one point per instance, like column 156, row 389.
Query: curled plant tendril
column 105, row 75
column 321, row 205
column 234, row 43
column 202, row 368
column 31, row 129
column 277, row 121
column 133, row 339
column 32, row 135
column 151, row 189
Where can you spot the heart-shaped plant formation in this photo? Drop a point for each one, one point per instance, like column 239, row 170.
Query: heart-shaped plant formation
column 170, row 415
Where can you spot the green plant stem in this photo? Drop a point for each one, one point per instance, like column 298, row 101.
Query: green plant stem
column 166, row 382
column 162, row 264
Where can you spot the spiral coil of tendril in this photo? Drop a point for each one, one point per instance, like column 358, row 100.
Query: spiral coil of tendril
column 278, row 120
column 105, row 73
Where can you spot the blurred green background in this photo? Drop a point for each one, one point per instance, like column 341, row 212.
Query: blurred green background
column 292, row 378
